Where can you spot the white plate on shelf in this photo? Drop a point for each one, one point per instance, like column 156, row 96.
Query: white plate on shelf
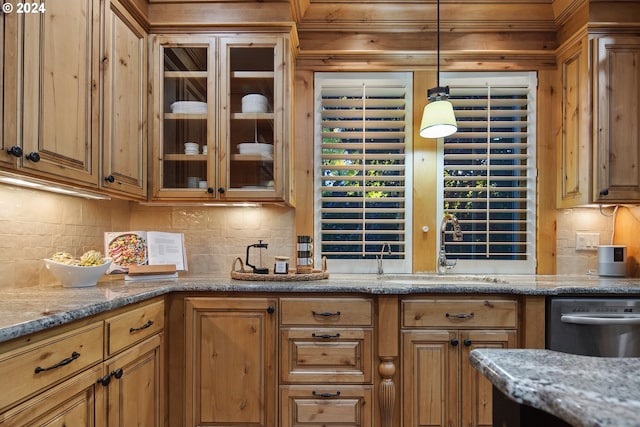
column 189, row 107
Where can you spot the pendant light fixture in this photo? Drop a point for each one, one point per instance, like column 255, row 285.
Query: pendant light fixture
column 438, row 119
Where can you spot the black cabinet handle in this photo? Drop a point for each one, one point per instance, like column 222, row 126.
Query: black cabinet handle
column 325, row 336
column 110, row 178
column 145, row 326
column 604, row 192
column 63, row 362
column 15, row 151
column 336, row 394
column 271, row 309
column 210, row 190
column 325, row 313
column 467, row 342
column 117, row 374
column 459, row 316
column 104, row 381
column 33, row 156
column 221, row 190
column 454, row 342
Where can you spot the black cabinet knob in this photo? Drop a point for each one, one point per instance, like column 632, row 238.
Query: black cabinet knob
column 15, row 151
column 604, row 192
column 467, row 342
column 271, row 309
column 33, row 156
column 110, row 178
column 221, row 190
column 454, row 342
column 210, row 190
column 104, row 381
column 117, row 373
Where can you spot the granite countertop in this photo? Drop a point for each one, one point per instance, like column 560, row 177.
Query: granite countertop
column 31, row 309
column 581, row 390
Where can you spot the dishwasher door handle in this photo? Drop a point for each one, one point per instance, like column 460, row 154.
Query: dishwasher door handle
column 628, row 319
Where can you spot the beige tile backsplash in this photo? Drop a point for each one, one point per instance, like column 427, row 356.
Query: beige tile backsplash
column 34, row 224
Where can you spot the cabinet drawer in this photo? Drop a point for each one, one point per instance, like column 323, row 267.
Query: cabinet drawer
column 134, row 326
column 464, row 313
column 38, row 366
column 315, row 406
column 326, row 311
column 336, row 355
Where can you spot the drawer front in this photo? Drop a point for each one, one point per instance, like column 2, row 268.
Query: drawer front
column 318, row 406
column 134, row 326
column 326, row 311
column 36, row 367
column 463, row 313
column 326, row 355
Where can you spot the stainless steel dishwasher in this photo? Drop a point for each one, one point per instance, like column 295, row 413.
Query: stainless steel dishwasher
column 607, row 327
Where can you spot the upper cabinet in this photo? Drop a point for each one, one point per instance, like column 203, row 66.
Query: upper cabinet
column 599, row 146
column 617, row 119
column 221, row 130
column 124, row 109
column 75, row 94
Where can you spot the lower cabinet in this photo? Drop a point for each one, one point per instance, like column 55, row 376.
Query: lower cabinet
column 439, row 386
column 230, row 362
column 63, row 378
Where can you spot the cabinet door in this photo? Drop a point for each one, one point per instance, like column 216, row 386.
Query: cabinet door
column 252, row 148
column 230, row 361
column 185, row 105
column 124, row 149
column 134, row 393
column 574, row 153
column 430, row 379
column 76, row 402
column 476, row 390
column 617, row 121
column 9, row 88
column 60, row 91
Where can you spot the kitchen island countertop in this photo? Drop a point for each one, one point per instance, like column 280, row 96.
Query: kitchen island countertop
column 31, row 309
column 584, row 391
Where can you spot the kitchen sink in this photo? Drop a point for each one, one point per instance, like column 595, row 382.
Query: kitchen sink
column 442, row 280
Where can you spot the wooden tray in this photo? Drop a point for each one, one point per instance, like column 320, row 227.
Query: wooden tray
column 247, row 274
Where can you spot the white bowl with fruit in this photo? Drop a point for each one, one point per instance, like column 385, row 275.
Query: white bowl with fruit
column 77, row 273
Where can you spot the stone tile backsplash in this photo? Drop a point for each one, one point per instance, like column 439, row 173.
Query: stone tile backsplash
column 34, row 224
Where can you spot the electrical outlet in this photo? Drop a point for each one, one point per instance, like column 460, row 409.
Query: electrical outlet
column 587, row 241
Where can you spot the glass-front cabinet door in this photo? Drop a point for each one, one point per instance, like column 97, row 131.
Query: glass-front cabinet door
column 221, row 130
column 185, row 104
column 251, row 127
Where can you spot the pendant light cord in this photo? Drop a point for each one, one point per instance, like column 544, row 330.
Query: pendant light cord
column 438, row 42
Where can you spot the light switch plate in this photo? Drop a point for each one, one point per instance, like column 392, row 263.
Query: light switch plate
column 586, row 241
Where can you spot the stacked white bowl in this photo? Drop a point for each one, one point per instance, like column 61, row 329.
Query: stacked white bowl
column 254, row 103
column 189, row 107
column 191, row 148
column 255, row 148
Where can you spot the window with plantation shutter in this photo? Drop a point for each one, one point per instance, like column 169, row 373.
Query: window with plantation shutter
column 363, row 131
column 490, row 172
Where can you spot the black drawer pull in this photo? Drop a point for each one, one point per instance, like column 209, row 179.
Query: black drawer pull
column 336, row 394
column 63, row 362
column 325, row 313
column 325, row 336
column 459, row 316
column 145, row 326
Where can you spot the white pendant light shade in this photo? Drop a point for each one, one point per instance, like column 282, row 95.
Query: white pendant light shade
column 438, row 120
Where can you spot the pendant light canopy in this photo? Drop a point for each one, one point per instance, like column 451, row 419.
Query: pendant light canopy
column 438, row 119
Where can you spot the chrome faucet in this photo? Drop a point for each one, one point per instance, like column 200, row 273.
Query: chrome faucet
column 380, row 257
column 443, row 263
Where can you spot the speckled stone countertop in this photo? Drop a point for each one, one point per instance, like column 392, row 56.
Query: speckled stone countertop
column 581, row 390
column 28, row 310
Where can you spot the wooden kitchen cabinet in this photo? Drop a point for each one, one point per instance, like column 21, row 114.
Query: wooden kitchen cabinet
column 105, row 372
column 200, row 82
column 230, row 361
column 617, row 118
column 439, row 386
column 124, row 111
column 599, row 146
column 326, row 361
